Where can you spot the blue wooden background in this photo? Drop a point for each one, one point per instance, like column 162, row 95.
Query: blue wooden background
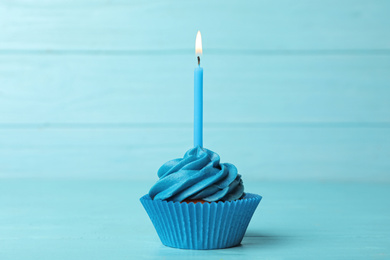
column 95, row 95
column 103, row 89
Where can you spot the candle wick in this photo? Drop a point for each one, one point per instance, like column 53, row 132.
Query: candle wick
column 198, row 60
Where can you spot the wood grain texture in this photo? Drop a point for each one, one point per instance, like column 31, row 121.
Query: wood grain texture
column 167, row 25
column 96, row 95
column 293, row 90
column 104, row 219
column 259, row 152
column 101, row 89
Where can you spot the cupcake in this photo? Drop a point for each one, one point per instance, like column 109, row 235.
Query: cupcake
column 199, row 203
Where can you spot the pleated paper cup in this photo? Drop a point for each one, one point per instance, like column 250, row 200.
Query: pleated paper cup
column 201, row 226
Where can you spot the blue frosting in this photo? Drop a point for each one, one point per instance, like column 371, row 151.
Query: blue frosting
column 198, row 176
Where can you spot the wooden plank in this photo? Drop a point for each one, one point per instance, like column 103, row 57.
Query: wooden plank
column 157, row 25
column 260, row 153
column 134, row 89
column 62, row 219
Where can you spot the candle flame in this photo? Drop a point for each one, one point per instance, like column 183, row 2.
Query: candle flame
column 198, row 44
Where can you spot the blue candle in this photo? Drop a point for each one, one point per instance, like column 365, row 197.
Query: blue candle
column 198, row 95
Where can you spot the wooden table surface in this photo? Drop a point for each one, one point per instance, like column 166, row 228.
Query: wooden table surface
column 103, row 219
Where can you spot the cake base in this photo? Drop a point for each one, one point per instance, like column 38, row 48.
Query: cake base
column 195, row 201
column 211, row 225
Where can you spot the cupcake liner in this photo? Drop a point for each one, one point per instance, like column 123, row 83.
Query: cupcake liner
column 201, row 226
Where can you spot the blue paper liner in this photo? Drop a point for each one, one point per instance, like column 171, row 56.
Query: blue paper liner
column 201, row 226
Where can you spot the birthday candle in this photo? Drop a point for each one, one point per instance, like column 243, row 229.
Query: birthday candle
column 198, row 95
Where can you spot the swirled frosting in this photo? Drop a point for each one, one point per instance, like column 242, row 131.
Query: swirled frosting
column 198, row 176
